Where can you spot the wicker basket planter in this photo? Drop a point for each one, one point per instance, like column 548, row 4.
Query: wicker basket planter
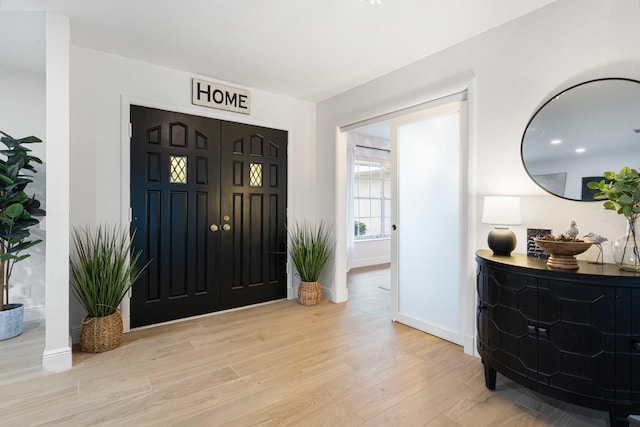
column 100, row 334
column 103, row 269
column 310, row 247
column 310, row 293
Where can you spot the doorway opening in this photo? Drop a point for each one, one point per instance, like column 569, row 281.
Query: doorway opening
column 428, row 208
column 369, row 194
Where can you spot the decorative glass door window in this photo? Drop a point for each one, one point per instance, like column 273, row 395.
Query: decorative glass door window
column 178, row 169
column 255, row 174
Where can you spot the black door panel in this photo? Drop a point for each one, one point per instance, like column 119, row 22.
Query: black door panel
column 253, row 185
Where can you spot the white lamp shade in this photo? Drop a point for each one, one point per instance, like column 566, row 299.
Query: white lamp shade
column 501, row 210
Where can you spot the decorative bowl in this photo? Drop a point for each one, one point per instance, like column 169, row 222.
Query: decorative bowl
column 563, row 254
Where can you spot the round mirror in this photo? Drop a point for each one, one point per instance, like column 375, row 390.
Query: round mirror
column 582, row 132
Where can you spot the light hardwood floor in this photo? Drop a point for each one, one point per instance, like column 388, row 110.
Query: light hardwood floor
column 279, row 364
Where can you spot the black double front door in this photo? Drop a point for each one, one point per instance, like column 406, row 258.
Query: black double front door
column 208, row 201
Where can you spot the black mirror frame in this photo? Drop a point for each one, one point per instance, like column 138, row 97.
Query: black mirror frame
column 540, row 109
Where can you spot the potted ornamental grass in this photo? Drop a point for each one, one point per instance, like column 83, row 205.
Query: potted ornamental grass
column 310, row 246
column 103, row 269
column 621, row 194
column 18, row 212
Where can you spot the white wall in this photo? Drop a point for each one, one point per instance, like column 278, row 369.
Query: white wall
column 101, row 87
column 22, row 108
column 510, row 71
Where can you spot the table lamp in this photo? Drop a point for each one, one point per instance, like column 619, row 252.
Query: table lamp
column 501, row 211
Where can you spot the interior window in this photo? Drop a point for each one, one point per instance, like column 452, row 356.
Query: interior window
column 372, row 199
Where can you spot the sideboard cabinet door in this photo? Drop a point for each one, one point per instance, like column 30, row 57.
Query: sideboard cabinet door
column 506, row 313
column 558, row 333
column 576, row 337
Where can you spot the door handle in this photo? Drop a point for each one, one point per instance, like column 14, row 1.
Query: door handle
column 214, row 227
column 226, row 227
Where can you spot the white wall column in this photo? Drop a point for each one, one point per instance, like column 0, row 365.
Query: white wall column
column 57, row 351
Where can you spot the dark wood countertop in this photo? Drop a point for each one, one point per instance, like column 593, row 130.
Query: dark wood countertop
column 586, row 270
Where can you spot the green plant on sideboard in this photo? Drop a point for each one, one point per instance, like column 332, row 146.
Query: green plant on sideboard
column 621, row 194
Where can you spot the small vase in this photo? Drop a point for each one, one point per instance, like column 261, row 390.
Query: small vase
column 626, row 252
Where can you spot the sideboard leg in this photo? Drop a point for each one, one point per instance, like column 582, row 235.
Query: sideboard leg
column 489, row 376
column 618, row 420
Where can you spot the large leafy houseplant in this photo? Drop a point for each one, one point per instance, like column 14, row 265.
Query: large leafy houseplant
column 621, row 192
column 310, row 246
column 103, row 269
column 17, row 209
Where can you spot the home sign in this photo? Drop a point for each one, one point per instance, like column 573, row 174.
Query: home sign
column 222, row 97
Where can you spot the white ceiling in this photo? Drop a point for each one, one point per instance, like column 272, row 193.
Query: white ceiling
column 307, row 49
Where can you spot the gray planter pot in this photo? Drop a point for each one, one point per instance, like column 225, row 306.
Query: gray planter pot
column 11, row 321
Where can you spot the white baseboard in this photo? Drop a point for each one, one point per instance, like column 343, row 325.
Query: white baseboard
column 333, row 296
column 366, row 262
column 339, row 297
column 470, row 346
column 57, row 360
column 327, row 293
column 437, row 331
column 34, row 313
column 75, row 333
